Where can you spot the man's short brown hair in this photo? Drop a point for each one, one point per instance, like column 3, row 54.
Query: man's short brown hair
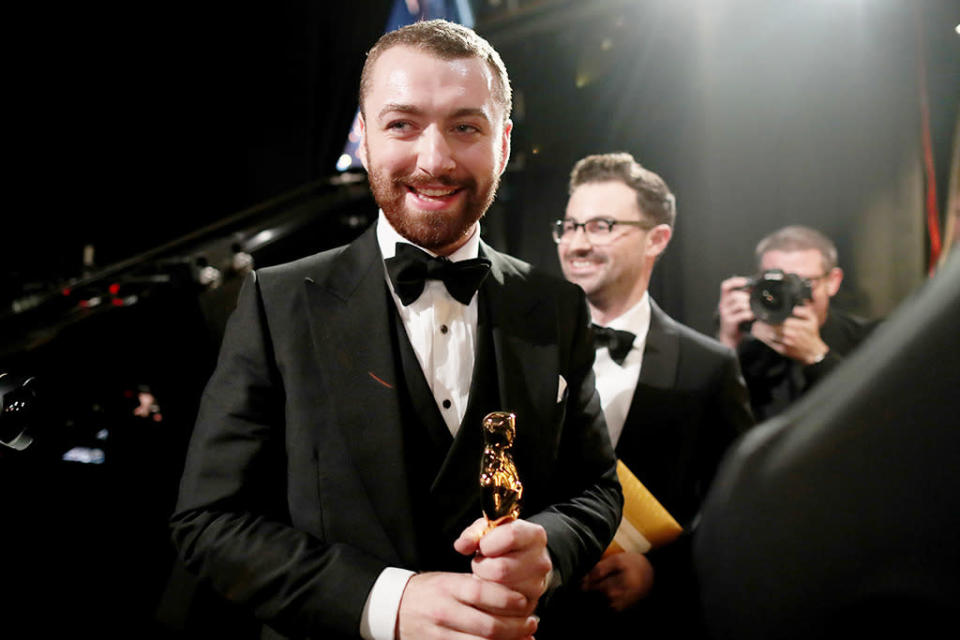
column 654, row 197
column 799, row 238
column 447, row 41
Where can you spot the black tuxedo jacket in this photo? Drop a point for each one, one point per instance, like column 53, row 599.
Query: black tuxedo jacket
column 295, row 494
column 689, row 405
column 839, row 517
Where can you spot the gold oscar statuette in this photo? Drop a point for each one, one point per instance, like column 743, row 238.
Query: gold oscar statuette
column 499, row 482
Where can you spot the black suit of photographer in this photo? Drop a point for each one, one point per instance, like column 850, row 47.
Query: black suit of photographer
column 781, row 323
column 775, row 381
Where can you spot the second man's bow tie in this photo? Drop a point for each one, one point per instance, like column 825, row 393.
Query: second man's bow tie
column 616, row 341
column 411, row 267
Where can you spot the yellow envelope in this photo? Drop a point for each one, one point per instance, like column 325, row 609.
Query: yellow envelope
column 645, row 524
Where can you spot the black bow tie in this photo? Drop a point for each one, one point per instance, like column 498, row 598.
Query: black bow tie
column 616, row 341
column 411, row 267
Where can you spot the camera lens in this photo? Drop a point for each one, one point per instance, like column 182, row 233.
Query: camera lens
column 771, row 297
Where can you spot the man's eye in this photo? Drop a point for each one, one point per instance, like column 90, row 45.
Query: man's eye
column 599, row 226
column 400, row 125
column 466, row 128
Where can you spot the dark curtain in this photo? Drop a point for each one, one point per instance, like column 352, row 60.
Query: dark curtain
column 150, row 122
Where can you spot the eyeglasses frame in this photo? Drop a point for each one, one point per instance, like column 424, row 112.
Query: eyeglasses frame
column 559, row 238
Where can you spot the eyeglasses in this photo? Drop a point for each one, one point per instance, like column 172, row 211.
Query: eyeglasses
column 599, row 231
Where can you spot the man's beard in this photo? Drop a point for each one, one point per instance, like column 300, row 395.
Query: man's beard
column 431, row 229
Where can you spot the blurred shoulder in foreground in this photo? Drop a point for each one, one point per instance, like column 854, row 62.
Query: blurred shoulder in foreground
column 841, row 515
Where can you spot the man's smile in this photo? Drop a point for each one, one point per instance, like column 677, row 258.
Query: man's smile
column 432, row 193
column 583, row 264
column 433, row 197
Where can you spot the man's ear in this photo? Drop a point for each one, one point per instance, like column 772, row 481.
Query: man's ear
column 833, row 280
column 657, row 239
column 362, row 145
column 505, row 146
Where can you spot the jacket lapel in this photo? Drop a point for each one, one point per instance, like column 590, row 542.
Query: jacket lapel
column 658, row 371
column 349, row 320
column 661, row 353
column 524, row 342
column 525, row 350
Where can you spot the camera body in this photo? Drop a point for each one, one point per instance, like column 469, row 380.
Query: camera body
column 774, row 294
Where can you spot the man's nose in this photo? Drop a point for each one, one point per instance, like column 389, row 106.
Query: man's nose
column 578, row 239
column 434, row 154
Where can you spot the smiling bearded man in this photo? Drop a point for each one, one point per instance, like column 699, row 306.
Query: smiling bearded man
column 332, row 483
column 435, row 138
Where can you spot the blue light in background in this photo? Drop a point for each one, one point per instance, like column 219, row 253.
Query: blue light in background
column 405, row 12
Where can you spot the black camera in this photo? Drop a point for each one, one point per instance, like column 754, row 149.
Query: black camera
column 774, row 294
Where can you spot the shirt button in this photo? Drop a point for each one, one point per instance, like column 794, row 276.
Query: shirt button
column 443, row 328
column 446, row 404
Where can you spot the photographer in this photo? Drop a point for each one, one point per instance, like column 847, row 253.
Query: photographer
column 780, row 322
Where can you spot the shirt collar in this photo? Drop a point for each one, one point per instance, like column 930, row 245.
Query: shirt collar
column 636, row 319
column 388, row 237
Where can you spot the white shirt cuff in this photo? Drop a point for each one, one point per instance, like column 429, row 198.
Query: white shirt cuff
column 379, row 617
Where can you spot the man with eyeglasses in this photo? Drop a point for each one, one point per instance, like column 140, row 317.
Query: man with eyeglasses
column 673, row 399
column 782, row 361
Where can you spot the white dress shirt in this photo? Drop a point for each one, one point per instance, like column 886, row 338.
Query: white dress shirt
column 443, row 333
column 616, row 383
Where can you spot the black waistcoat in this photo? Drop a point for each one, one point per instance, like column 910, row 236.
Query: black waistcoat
column 443, row 472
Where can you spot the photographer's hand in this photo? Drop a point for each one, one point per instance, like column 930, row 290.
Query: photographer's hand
column 797, row 338
column 801, row 336
column 734, row 308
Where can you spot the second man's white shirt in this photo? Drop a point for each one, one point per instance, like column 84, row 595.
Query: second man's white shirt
column 616, row 383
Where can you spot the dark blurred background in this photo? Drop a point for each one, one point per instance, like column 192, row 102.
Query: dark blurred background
column 161, row 149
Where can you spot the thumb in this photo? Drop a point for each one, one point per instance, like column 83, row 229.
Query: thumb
column 469, row 540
